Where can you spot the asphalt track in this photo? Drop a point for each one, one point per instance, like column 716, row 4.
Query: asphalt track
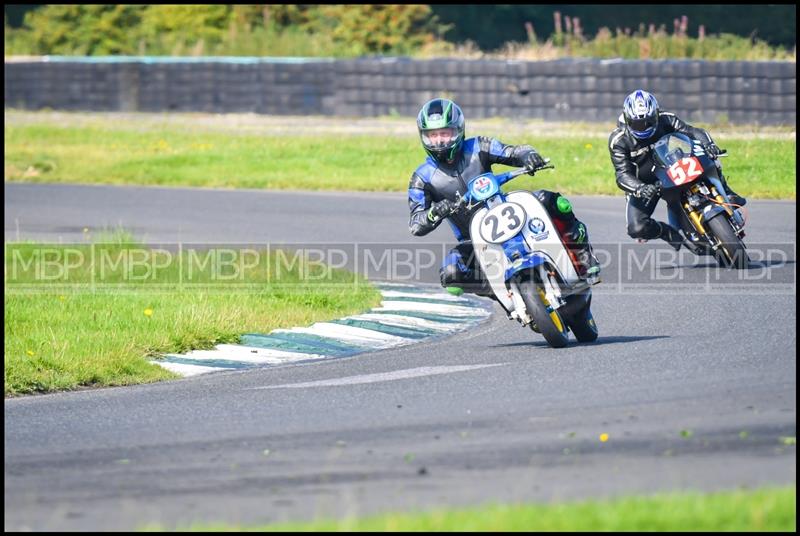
column 693, row 379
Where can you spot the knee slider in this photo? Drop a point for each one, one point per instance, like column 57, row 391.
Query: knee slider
column 556, row 205
column 450, row 274
column 637, row 229
column 563, row 205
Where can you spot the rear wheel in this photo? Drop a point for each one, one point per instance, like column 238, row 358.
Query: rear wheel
column 548, row 320
column 731, row 252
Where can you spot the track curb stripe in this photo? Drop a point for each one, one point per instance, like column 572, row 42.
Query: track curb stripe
column 407, row 315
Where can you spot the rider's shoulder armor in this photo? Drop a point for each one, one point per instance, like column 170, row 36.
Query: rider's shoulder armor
column 449, row 181
column 426, row 169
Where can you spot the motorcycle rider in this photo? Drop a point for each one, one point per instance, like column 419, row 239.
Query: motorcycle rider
column 452, row 162
column 641, row 124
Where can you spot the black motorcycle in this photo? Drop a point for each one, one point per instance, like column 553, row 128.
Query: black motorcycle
column 691, row 187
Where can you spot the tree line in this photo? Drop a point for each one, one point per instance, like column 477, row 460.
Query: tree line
column 366, row 29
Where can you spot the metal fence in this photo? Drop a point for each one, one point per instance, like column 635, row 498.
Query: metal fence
column 760, row 92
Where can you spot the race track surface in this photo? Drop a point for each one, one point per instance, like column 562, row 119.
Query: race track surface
column 693, row 379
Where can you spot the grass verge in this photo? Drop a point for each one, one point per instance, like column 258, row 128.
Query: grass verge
column 111, row 150
column 92, row 315
column 766, row 509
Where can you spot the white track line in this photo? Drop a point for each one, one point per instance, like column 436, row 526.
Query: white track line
column 381, row 377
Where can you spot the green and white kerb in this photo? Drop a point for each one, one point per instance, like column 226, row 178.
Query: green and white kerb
column 408, row 314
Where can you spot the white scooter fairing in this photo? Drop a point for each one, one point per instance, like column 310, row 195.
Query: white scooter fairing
column 521, row 220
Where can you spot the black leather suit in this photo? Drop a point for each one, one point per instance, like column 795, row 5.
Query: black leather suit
column 633, row 163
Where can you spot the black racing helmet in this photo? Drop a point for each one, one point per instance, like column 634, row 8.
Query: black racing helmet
column 441, row 128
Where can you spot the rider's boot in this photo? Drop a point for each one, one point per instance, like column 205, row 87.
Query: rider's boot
column 577, row 240
column 735, row 198
column 468, row 282
column 671, row 236
column 588, row 261
column 674, row 238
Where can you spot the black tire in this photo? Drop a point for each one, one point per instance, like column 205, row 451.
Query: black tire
column 731, row 252
column 582, row 323
column 550, row 323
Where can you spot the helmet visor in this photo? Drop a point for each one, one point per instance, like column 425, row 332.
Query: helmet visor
column 642, row 125
column 439, row 138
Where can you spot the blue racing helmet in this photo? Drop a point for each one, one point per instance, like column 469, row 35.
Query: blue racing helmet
column 640, row 111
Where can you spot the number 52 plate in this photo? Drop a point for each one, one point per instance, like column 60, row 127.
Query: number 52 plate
column 503, row 222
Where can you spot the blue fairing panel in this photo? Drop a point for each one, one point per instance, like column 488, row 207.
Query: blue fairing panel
column 524, row 264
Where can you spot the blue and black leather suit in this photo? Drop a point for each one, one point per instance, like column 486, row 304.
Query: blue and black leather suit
column 435, row 181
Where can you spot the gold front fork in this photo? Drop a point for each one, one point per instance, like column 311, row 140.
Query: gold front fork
column 694, row 216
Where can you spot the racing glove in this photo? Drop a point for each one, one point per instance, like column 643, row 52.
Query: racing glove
column 711, row 149
column 441, row 209
column 648, row 191
column 533, row 160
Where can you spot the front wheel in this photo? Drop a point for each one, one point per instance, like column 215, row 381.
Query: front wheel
column 731, row 252
column 582, row 323
column 547, row 320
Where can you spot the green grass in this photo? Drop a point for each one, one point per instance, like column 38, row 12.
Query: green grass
column 767, row 509
column 756, row 168
column 94, row 314
column 119, row 152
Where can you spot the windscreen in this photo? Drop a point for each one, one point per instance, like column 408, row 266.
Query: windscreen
column 671, row 148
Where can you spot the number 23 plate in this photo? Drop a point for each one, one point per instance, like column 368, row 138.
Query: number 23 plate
column 503, row 222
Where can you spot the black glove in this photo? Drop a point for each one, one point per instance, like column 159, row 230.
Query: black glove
column 533, row 161
column 712, row 150
column 441, row 209
column 648, row 191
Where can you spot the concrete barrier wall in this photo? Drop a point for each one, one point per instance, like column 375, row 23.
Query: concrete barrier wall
column 571, row 89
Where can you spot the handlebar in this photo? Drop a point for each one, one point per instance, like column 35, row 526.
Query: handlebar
column 502, row 178
column 508, row 175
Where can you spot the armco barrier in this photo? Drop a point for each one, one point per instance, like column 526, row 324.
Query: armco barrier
column 568, row 89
